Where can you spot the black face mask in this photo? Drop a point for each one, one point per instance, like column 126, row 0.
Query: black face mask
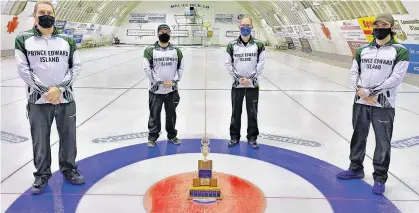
column 381, row 33
column 46, row 21
column 164, row 37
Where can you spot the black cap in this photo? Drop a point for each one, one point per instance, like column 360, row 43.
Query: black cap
column 163, row 27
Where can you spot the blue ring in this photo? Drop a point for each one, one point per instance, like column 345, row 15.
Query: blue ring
column 344, row 196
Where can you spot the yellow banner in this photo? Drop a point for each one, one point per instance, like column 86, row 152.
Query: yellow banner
column 366, row 26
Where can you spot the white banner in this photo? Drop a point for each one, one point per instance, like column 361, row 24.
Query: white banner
column 236, row 33
column 140, row 32
column 179, row 33
column 351, row 30
column 295, row 32
column 309, row 32
column 229, row 18
column 407, row 29
column 147, row 18
column 280, row 31
column 81, row 28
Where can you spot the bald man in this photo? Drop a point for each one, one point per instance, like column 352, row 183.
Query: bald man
column 245, row 62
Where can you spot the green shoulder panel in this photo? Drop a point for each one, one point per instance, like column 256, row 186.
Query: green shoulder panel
column 179, row 56
column 358, row 52
column 402, row 53
column 148, row 53
column 179, row 53
column 69, row 39
column 230, row 47
column 21, row 38
column 260, row 45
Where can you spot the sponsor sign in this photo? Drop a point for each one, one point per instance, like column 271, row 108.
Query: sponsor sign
column 78, row 39
column 308, row 31
column 229, row 18
column 231, row 33
column 278, row 138
column 414, row 58
column 407, row 33
column 353, row 34
column 354, row 45
column 12, row 138
column 140, row 32
column 68, row 31
column 366, row 26
column 405, row 143
column 147, row 18
column 280, row 31
column 117, row 138
column 199, row 33
column 295, row 33
column 179, row 33
column 290, row 140
column 400, row 144
column 290, row 43
column 90, row 28
column 190, row 5
column 60, row 25
column 305, row 45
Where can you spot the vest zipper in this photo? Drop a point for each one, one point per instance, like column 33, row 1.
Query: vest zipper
column 49, row 62
column 376, row 56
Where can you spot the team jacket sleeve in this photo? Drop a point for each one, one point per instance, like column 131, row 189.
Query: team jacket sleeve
column 180, row 67
column 74, row 67
column 229, row 63
column 355, row 70
column 148, row 66
column 24, row 70
column 261, row 62
column 399, row 71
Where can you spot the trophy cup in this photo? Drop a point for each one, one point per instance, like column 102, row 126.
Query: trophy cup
column 205, row 187
column 205, row 148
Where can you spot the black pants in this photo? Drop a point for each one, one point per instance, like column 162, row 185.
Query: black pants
column 41, row 117
column 252, row 99
column 382, row 120
column 155, row 102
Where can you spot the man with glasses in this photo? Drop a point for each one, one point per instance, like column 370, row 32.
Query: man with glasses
column 245, row 62
column 164, row 66
column 377, row 71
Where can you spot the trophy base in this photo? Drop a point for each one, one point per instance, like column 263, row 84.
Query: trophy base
column 205, row 193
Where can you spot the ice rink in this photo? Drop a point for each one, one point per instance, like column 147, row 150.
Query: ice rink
column 305, row 115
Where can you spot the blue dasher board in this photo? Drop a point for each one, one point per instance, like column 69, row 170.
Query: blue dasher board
column 204, row 173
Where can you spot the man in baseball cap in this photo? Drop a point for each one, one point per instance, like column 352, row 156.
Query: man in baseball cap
column 163, row 27
column 377, row 71
column 383, row 27
column 164, row 65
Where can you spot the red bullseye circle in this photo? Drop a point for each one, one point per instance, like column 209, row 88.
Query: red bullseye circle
column 170, row 195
